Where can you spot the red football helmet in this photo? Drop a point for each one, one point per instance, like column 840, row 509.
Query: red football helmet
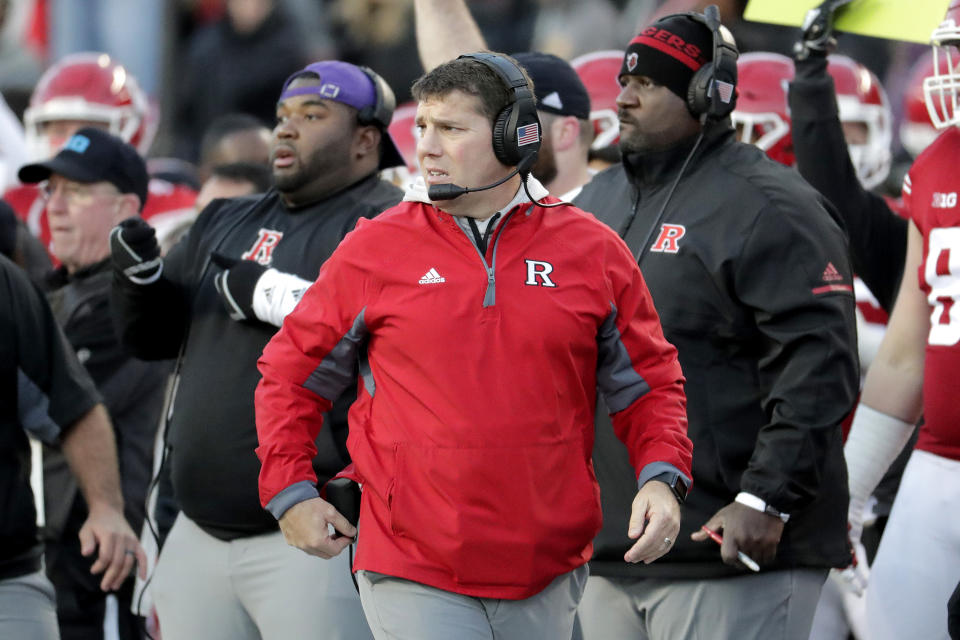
column 403, row 130
column 88, row 87
column 862, row 100
column 940, row 88
column 916, row 129
column 598, row 71
column 762, row 116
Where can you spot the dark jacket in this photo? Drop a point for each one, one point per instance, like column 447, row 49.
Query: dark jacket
column 878, row 237
column 212, row 435
column 756, row 294
column 132, row 391
column 43, row 389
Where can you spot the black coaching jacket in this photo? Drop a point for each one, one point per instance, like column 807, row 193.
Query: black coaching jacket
column 752, row 280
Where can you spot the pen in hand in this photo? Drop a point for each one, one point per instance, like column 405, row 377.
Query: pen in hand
column 749, row 562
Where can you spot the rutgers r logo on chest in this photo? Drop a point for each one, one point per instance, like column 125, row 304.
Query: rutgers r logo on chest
column 538, row 274
column 668, row 241
column 262, row 250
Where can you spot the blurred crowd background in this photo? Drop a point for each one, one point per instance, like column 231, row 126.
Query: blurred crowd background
column 198, row 59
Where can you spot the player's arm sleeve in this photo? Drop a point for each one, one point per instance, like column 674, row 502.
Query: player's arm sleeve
column 53, row 388
column 804, row 314
column 877, row 235
column 152, row 319
column 639, row 375
column 305, row 367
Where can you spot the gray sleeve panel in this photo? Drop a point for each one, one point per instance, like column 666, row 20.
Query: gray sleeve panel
column 33, row 408
column 656, row 468
column 617, row 380
column 294, row 494
column 338, row 369
column 368, row 382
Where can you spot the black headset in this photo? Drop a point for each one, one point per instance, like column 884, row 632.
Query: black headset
column 719, row 75
column 381, row 111
column 519, row 113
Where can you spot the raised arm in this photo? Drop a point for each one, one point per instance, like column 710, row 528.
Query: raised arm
column 445, row 29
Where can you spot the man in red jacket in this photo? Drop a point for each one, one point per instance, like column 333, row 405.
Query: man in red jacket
column 484, row 324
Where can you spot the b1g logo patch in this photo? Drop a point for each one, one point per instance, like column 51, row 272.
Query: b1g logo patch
column 262, row 250
column 669, row 239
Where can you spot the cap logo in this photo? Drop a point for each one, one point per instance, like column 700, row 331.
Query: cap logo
column 552, row 100
column 77, row 144
column 329, row 90
column 632, row 61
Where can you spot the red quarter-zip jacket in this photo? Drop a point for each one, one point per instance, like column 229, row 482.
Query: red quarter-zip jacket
column 473, row 426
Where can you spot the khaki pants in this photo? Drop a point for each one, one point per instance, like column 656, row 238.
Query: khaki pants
column 252, row 588
column 773, row 604
column 400, row 609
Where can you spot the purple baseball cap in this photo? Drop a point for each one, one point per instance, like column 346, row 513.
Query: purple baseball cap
column 358, row 87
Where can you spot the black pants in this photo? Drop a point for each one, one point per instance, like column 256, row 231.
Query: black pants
column 81, row 604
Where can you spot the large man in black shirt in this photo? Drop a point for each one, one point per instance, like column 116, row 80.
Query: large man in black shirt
column 751, row 278
column 217, row 298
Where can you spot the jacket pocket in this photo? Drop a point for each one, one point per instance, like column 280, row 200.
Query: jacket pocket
column 497, row 516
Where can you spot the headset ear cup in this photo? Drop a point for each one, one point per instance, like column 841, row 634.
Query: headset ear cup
column 697, row 100
column 504, row 148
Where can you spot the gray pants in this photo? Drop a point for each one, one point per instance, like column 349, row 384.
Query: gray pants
column 28, row 608
column 252, row 588
column 400, row 609
column 775, row 604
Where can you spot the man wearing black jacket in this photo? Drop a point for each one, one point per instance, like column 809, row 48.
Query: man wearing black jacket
column 94, row 182
column 217, row 298
column 751, row 278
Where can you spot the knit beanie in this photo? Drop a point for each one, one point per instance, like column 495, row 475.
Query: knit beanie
column 669, row 52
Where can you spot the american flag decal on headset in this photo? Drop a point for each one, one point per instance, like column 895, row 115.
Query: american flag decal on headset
column 528, row 134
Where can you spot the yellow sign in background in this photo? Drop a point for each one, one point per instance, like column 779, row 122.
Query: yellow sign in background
column 909, row 20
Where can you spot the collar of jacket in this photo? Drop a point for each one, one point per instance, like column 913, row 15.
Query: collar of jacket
column 368, row 181
column 59, row 277
column 417, row 192
column 651, row 169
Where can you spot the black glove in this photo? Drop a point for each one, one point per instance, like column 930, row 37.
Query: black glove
column 817, row 38
column 135, row 251
column 236, row 284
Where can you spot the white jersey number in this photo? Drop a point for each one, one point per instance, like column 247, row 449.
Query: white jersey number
column 942, row 273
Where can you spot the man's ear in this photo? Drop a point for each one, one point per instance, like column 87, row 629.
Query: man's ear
column 128, row 206
column 565, row 132
column 366, row 141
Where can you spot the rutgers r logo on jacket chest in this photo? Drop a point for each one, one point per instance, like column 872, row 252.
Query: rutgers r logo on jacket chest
column 538, row 274
column 668, row 240
column 262, row 250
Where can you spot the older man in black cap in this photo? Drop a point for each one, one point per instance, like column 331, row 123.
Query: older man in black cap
column 94, row 182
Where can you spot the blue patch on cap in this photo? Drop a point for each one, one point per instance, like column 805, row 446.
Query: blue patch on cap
column 77, row 144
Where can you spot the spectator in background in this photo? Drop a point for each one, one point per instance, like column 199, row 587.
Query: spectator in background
column 234, row 180
column 130, row 30
column 245, row 55
column 225, row 181
column 233, row 138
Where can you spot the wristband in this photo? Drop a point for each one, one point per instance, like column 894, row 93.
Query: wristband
column 752, row 501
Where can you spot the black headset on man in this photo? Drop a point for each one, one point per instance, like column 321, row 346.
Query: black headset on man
column 518, row 120
column 719, row 75
column 711, row 96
